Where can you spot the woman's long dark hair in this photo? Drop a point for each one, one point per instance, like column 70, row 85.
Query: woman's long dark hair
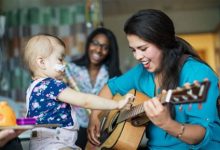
column 111, row 61
column 156, row 27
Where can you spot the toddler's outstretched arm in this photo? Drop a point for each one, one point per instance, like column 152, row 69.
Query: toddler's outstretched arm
column 91, row 101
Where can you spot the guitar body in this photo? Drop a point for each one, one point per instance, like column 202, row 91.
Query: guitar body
column 123, row 135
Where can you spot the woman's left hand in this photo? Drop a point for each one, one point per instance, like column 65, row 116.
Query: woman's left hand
column 159, row 114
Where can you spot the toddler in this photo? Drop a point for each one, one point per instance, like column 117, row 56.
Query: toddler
column 49, row 99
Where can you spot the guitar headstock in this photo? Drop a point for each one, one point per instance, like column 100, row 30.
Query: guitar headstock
column 192, row 94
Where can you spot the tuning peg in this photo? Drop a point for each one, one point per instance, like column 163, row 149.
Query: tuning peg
column 187, row 85
column 179, row 89
column 197, row 83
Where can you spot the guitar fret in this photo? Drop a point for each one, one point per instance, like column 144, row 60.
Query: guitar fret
column 139, row 109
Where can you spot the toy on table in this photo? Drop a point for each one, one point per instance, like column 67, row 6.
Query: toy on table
column 26, row 121
column 7, row 115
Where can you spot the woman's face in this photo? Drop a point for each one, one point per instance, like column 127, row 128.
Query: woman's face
column 98, row 49
column 147, row 53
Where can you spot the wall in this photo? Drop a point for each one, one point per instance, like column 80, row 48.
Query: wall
column 217, row 50
column 204, row 44
column 116, row 25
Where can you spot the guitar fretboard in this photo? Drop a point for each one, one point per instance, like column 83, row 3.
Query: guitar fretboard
column 134, row 111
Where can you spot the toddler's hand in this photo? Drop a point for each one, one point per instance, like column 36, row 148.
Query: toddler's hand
column 128, row 98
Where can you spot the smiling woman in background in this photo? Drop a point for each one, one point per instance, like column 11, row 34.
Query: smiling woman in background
column 92, row 71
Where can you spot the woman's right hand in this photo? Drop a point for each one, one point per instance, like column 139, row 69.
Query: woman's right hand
column 94, row 128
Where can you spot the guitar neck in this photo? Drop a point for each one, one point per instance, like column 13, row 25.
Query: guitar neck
column 193, row 94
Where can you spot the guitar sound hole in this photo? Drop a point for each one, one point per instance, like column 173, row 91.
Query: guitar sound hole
column 105, row 133
column 113, row 123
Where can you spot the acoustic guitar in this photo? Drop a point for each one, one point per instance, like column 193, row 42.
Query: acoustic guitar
column 124, row 129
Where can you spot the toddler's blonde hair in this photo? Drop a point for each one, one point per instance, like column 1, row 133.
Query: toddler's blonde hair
column 39, row 45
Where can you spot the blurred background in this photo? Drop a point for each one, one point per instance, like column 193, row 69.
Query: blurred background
column 197, row 21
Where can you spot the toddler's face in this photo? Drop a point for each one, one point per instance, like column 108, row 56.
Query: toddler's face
column 55, row 63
